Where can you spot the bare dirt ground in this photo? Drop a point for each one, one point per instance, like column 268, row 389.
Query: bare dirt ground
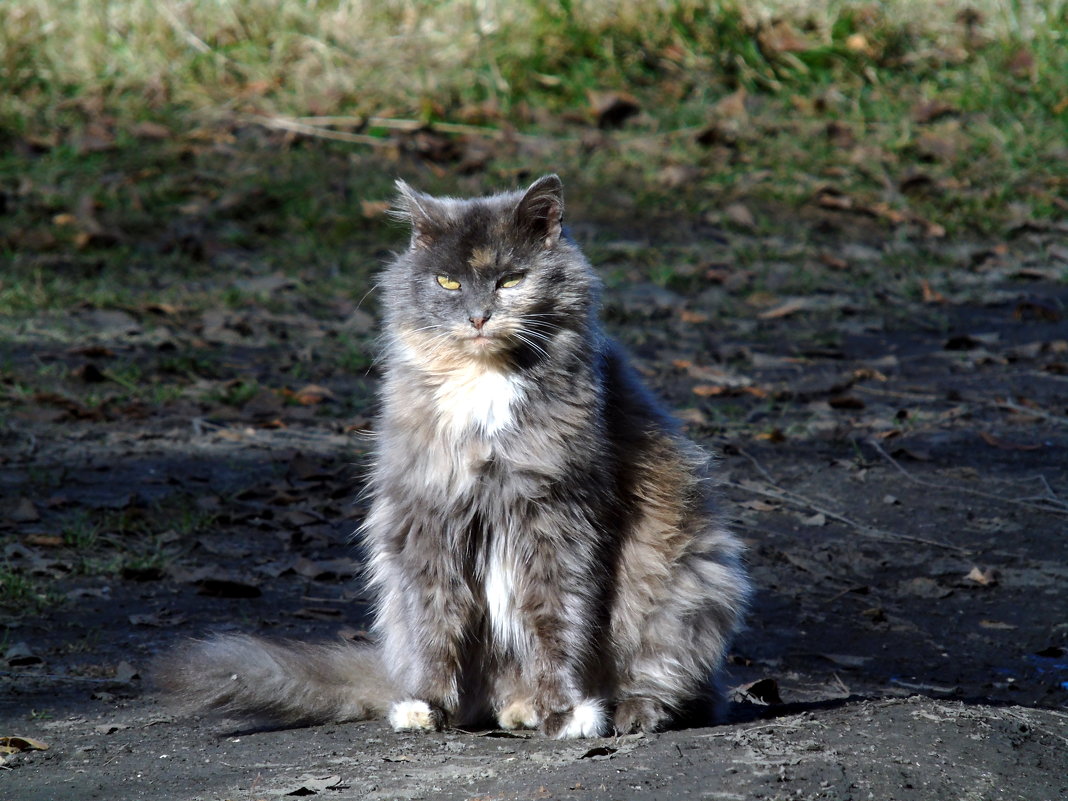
column 898, row 469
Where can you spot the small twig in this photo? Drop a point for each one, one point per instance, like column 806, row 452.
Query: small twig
column 57, row 677
column 1053, row 504
column 122, row 382
column 895, row 394
column 1019, row 409
column 780, row 494
column 395, row 124
column 286, row 124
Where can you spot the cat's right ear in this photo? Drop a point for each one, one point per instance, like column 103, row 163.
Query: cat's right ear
column 414, row 208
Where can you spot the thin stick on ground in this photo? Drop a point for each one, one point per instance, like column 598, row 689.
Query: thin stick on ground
column 1051, row 504
column 779, row 493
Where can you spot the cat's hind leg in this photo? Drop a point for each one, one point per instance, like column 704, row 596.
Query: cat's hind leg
column 670, row 657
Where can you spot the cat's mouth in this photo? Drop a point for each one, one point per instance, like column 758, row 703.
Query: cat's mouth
column 483, row 340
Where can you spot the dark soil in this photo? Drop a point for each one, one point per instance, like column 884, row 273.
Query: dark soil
column 898, row 468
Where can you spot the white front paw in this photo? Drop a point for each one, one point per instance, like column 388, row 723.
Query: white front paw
column 413, row 716
column 587, row 720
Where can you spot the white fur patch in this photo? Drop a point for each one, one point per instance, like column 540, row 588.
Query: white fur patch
column 499, row 585
column 587, row 720
column 478, row 398
column 411, row 716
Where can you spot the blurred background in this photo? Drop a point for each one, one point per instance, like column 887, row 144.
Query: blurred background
column 187, row 134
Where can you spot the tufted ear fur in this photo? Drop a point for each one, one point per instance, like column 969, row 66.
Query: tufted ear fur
column 417, row 210
column 540, row 214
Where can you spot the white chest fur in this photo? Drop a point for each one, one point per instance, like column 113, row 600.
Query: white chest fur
column 477, row 398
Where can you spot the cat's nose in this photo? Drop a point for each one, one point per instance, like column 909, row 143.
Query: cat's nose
column 480, row 321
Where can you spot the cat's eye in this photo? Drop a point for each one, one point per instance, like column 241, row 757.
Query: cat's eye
column 510, row 281
column 448, row 283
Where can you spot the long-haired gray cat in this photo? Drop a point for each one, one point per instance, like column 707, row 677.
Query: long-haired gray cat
column 544, row 545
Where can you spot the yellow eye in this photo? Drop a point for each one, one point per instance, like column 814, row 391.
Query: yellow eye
column 510, row 281
column 448, row 283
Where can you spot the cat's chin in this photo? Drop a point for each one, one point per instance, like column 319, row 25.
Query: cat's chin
column 485, row 347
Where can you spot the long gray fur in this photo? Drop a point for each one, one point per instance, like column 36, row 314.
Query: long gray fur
column 544, row 546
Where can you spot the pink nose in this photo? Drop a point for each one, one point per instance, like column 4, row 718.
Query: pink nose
column 478, row 322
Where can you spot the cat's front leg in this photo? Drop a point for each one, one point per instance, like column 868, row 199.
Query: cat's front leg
column 422, row 630
column 557, row 602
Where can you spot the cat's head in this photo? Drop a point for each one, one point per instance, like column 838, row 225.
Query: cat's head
column 487, row 278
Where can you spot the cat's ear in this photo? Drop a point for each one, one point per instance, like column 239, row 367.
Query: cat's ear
column 540, row 214
column 416, row 209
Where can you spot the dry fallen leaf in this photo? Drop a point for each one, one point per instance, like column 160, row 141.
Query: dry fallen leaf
column 692, row 317
column 24, row 512
column 312, row 394
column 785, row 309
column 14, row 744
column 612, row 109
column 782, row 37
column 1005, row 445
column 929, row 110
column 930, row 295
column 762, row 691
column 985, row 578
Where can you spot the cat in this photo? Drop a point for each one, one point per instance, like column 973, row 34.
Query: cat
column 545, row 547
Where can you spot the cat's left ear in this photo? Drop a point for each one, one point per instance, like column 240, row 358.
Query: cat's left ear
column 540, row 214
column 415, row 208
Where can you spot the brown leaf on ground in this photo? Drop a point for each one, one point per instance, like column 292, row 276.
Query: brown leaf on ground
column 782, row 37
column 312, row 394
column 692, row 317
column 738, row 214
column 1042, row 309
column 151, row 130
column 612, row 109
column 829, row 197
column 732, row 106
column 727, row 117
column 930, row 295
column 839, row 134
column 929, row 110
column 833, row 262
column 933, row 146
column 14, row 744
column 92, row 232
column 858, row 43
column 1021, row 64
column 24, row 512
column 45, row 540
column 94, row 138
column 785, row 309
column 1004, row 445
column 775, row 436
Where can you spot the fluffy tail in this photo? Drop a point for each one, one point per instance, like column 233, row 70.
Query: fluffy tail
column 273, row 682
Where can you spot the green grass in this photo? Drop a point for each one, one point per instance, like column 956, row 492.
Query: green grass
column 142, row 159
